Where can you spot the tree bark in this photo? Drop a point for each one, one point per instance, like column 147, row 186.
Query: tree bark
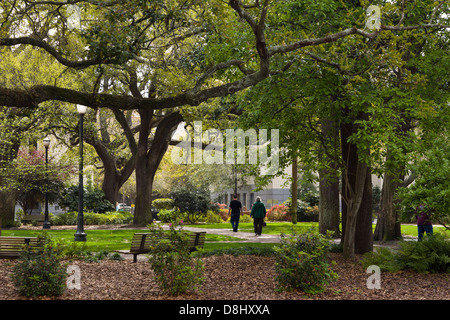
column 328, row 179
column 356, row 189
column 388, row 226
column 329, row 204
column 148, row 160
column 7, row 208
column 294, row 190
column 353, row 202
column 364, row 229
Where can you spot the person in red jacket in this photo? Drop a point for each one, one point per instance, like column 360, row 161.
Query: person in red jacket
column 423, row 222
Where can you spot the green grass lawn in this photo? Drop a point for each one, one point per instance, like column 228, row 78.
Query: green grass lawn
column 286, row 227
column 111, row 240
column 271, row 228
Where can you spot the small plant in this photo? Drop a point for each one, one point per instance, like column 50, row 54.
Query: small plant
column 302, row 262
column 40, row 271
column 431, row 255
column 175, row 270
column 384, row 258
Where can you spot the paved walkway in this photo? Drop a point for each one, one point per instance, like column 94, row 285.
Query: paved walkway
column 244, row 236
column 249, row 237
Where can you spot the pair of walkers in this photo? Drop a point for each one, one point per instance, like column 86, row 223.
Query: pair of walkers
column 258, row 214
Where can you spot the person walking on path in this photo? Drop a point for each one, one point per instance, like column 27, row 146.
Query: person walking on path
column 423, row 222
column 235, row 210
column 258, row 214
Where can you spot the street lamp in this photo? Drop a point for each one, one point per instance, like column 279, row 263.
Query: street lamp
column 80, row 235
column 46, row 224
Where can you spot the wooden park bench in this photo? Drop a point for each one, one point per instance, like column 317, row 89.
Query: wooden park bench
column 12, row 247
column 33, row 217
column 141, row 243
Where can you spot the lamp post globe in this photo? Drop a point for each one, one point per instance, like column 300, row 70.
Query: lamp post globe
column 81, row 109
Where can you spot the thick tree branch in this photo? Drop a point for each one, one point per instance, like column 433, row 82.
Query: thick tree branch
column 213, row 69
column 32, row 97
column 345, row 33
column 35, row 42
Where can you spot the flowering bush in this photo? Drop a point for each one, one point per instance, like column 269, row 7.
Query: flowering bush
column 278, row 212
column 301, row 262
column 221, row 205
column 223, row 213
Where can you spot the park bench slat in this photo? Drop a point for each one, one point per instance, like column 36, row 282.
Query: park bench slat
column 12, row 247
column 33, row 218
column 140, row 242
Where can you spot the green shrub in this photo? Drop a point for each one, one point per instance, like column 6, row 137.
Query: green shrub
column 193, row 202
column 94, row 199
column 63, row 219
column 302, row 262
column 245, row 218
column 167, row 216
column 40, row 271
column 384, row 258
column 212, row 217
column 175, row 270
column 163, row 203
column 431, row 255
column 91, row 218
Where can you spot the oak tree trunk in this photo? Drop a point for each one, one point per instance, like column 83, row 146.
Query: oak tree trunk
column 328, row 205
column 148, row 158
column 357, row 234
column 328, row 180
column 388, row 226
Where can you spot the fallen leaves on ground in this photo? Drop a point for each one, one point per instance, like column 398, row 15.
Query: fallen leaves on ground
column 237, row 278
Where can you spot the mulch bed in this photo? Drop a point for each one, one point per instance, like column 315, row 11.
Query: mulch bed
column 237, row 278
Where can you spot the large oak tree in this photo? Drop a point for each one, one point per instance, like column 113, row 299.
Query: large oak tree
column 154, row 35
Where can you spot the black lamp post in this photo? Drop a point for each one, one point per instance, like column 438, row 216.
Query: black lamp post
column 46, row 224
column 80, row 235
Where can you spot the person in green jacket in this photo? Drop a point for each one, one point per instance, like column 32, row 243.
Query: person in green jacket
column 258, row 214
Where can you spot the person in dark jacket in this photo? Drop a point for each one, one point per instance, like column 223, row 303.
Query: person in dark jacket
column 423, row 222
column 258, row 214
column 235, row 212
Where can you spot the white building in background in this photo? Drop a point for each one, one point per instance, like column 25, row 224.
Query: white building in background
column 276, row 192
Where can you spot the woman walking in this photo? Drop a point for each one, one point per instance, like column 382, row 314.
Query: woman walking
column 258, row 214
